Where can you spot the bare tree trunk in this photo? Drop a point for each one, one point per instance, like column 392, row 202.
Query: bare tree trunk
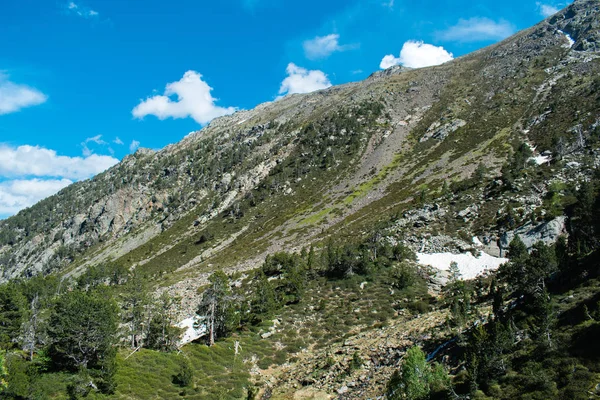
column 211, row 324
column 31, row 328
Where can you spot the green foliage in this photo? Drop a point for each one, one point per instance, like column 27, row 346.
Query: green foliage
column 3, row 374
column 357, row 361
column 402, row 252
column 83, row 330
column 526, row 273
column 135, row 304
column 404, row 275
column 264, row 301
column 162, row 334
column 18, row 377
column 517, row 165
column 185, row 376
column 218, row 307
column 417, row 379
column 535, row 346
column 585, row 219
column 13, row 306
column 487, row 346
column 106, row 273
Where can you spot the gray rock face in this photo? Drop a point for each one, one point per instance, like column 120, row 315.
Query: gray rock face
column 421, row 217
column 440, row 132
column 530, row 234
column 579, row 21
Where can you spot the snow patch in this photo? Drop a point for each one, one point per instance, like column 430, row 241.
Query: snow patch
column 469, row 266
column 570, row 40
column 192, row 333
column 477, row 242
column 539, row 160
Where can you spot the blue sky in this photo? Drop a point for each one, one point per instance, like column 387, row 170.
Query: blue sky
column 84, row 82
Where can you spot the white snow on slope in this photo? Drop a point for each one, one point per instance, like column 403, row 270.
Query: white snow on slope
column 191, row 333
column 469, row 265
column 539, row 159
column 569, row 39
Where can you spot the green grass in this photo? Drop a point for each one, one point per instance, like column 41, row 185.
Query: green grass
column 317, row 217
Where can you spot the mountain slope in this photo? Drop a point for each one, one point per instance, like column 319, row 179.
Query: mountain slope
column 330, row 163
column 324, row 211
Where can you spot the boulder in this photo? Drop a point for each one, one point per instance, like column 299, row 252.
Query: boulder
column 547, row 232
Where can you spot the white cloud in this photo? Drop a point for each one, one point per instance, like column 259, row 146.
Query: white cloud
column 193, row 100
column 31, row 173
column 417, row 55
column 14, row 97
column 24, row 161
column 477, row 29
column 389, row 61
column 81, row 10
column 118, row 141
column 324, row 46
column 18, row 194
column 134, row 145
column 547, row 10
column 95, row 139
column 301, row 80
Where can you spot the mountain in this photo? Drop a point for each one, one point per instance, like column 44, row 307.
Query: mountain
column 331, row 162
column 448, row 159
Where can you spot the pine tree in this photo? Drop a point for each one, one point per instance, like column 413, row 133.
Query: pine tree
column 217, row 307
column 544, row 318
column 136, row 304
column 264, row 301
column 83, row 330
column 13, row 308
column 417, row 379
column 162, row 334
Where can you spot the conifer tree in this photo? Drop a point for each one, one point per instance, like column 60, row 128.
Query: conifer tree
column 218, row 307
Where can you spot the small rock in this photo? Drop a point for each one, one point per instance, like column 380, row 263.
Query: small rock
column 343, row 389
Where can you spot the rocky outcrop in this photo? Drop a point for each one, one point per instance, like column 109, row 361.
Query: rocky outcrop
column 546, row 232
column 440, row 131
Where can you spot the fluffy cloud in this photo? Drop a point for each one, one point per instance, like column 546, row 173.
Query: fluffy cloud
column 417, row 55
column 547, row 10
column 81, row 10
column 324, row 46
column 21, row 193
column 389, row 61
column 193, row 100
column 477, row 29
column 301, row 80
column 118, row 141
column 37, row 161
column 14, row 97
column 31, row 173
